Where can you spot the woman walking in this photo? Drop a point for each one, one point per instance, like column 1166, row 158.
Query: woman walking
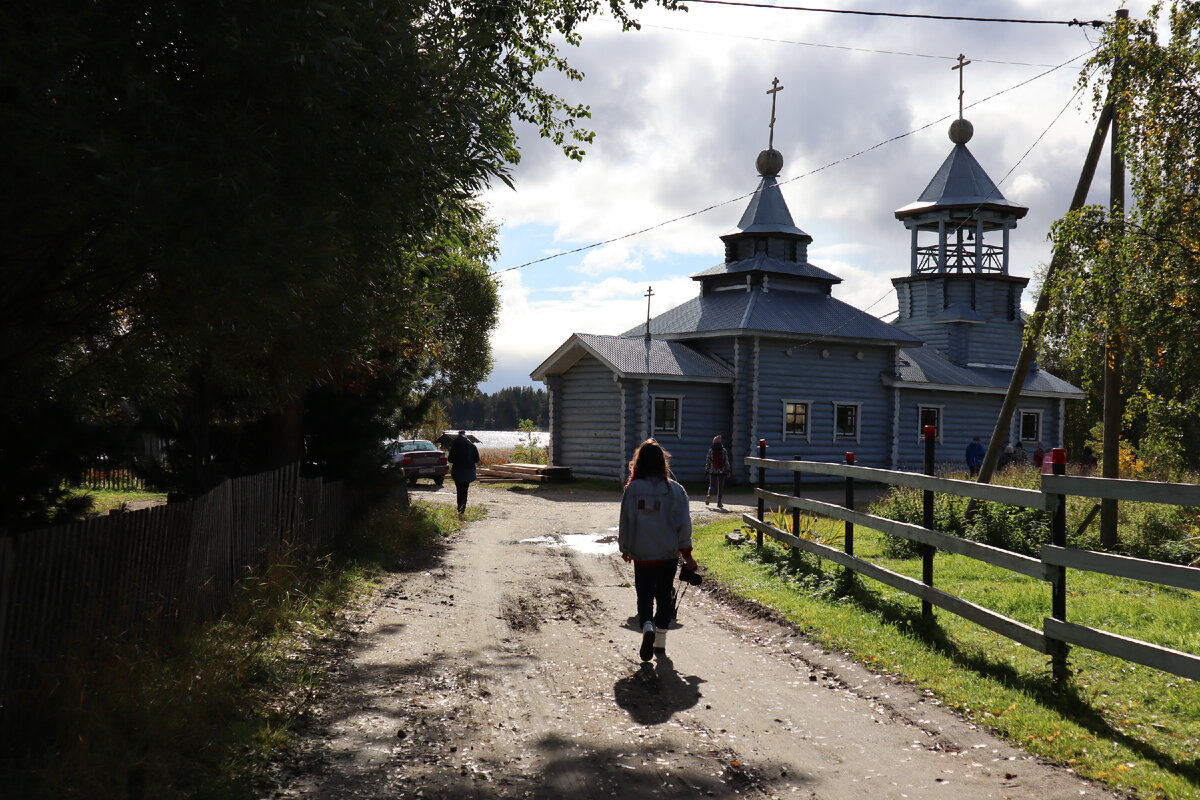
column 655, row 530
column 718, row 468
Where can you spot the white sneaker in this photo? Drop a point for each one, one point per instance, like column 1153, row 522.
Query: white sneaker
column 647, row 649
column 660, row 642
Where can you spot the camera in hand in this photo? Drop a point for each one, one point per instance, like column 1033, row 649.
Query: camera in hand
column 689, row 576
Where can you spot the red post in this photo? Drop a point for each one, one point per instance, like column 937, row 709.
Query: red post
column 927, row 550
column 762, row 484
column 1058, row 575
column 850, row 505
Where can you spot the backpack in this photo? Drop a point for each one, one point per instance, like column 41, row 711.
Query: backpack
column 718, row 459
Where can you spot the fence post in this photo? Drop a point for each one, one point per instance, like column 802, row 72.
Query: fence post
column 796, row 493
column 762, row 484
column 927, row 549
column 849, row 505
column 1058, row 574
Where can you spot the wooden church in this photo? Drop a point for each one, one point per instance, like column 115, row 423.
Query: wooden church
column 766, row 352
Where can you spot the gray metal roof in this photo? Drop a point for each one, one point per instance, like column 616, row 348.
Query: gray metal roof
column 635, row 357
column 925, row 366
column 775, row 313
column 767, row 212
column 768, row 264
column 961, row 181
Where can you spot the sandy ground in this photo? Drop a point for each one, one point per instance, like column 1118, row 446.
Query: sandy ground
column 506, row 666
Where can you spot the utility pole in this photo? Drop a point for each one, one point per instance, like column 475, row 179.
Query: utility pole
column 1037, row 321
column 1033, row 328
column 1114, row 407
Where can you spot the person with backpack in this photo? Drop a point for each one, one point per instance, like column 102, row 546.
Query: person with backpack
column 718, row 467
column 655, row 530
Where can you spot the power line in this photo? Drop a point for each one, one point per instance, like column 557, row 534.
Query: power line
column 1095, row 23
column 841, row 160
column 843, row 46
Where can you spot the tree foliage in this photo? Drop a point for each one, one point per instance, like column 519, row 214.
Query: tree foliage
column 1136, row 274
column 213, row 211
column 502, row 410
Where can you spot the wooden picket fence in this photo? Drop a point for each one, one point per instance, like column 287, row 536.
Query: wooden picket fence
column 1057, row 634
column 132, row 576
column 102, row 475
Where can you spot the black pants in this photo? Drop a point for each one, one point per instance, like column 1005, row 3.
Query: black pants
column 653, row 586
column 462, row 487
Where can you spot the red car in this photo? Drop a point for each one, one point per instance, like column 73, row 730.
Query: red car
column 419, row 459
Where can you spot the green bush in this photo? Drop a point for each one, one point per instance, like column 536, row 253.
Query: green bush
column 527, row 450
column 908, row 505
column 1021, row 530
column 1145, row 530
column 1158, row 532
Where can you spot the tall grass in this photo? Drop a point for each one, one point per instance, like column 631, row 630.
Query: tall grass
column 201, row 714
column 1146, row 530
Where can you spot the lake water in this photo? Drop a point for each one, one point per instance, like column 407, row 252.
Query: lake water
column 507, row 440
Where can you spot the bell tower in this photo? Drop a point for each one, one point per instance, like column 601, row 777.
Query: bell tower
column 959, row 296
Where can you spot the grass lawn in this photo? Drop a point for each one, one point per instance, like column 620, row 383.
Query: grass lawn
column 1130, row 727
column 109, row 499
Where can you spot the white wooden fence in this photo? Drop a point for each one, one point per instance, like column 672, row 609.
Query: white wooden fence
column 1056, row 634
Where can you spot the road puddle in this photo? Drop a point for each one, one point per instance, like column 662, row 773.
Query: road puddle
column 599, row 544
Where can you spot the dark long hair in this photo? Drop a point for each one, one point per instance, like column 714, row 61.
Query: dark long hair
column 650, row 460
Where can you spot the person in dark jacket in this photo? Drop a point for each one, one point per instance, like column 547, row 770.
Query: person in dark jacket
column 463, row 457
column 717, row 467
column 655, row 531
column 975, row 453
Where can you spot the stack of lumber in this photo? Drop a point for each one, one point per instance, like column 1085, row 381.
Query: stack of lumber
column 532, row 473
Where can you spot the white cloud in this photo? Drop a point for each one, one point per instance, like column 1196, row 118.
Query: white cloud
column 681, row 114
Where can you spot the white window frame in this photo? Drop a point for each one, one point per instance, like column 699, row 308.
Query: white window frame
column 1037, row 412
column 941, row 426
column 807, row 435
column 857, row 420
column 657, row 431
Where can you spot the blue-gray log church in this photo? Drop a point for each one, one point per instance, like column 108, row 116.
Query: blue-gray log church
column 766, row 352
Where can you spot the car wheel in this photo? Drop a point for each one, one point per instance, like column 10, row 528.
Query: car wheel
column 438, row 482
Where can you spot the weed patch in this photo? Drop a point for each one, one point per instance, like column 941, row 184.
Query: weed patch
column 200, row 715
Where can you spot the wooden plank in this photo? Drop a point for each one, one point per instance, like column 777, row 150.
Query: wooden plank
column 1161, row 658
column 1005, row 559
column 1026, row 498
column 1139, row 569
column 1176, row 494
column 1009, row 628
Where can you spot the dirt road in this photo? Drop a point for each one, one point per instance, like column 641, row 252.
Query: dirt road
column 508, row 668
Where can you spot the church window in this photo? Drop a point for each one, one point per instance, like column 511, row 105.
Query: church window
column 929, row 415
column 666, row 415
column 795, row 420
column 1031, row 426
column 846, row 421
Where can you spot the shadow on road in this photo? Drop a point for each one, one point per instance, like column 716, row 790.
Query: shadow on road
column 656, row 691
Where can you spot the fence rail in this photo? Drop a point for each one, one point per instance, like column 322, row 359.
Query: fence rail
column 131, row 576
column 1057, row 634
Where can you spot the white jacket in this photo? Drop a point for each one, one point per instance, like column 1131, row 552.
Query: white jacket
column 656, row 522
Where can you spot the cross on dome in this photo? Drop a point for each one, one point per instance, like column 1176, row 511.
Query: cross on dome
column 773, row 91
column 962, row 62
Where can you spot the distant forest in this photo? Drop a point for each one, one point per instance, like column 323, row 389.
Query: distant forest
column 501, row 411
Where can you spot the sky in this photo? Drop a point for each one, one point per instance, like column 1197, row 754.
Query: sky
column 681, row 111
